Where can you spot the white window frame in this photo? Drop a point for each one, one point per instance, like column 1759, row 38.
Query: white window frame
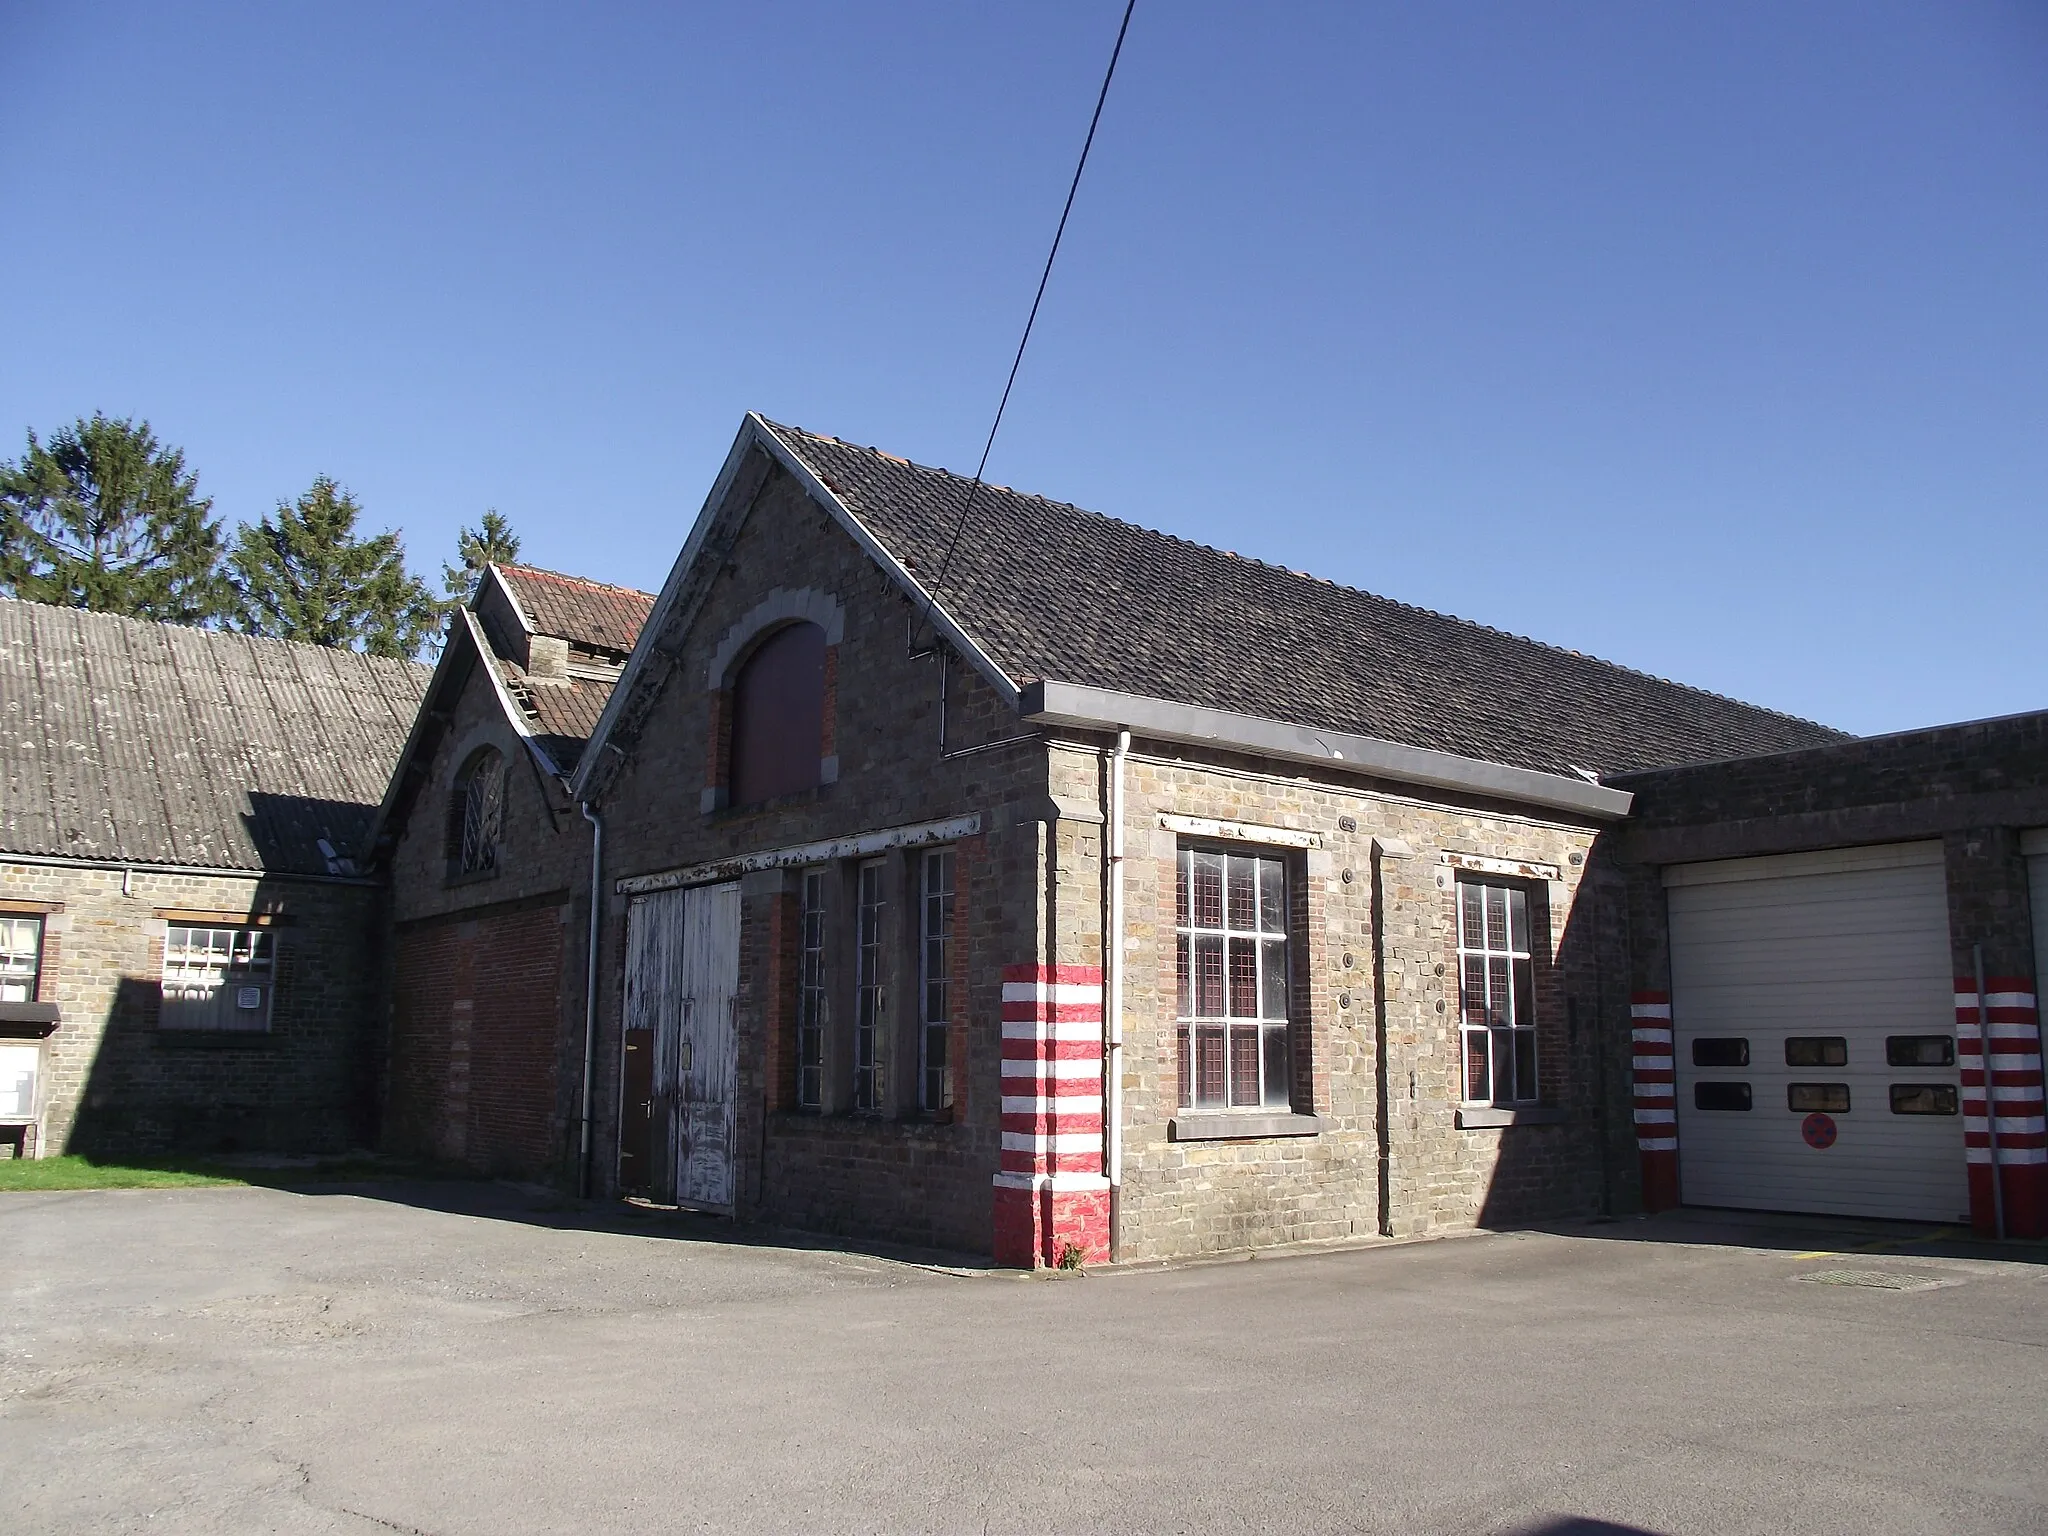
column 1496, row 993
column 937, row 874
column 871, row 986
column 1268, row 938
column 21, row 958
column 811, row 1000
column 218, row 978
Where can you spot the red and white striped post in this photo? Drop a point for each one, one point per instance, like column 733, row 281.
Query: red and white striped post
column 1051, row 1193
column 2013, row 1022
column 1656, row 1098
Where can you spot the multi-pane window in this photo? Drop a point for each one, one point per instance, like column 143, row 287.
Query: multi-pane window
column 217, row 978
column 1231, row 954
column 935, row 969
column 483, row 813
column 870, row 1009
column 810, row 996
column 21, row 953
column 1495, row 993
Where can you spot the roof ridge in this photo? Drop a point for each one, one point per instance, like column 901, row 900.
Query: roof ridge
column 1377, row 597
column 581, row 581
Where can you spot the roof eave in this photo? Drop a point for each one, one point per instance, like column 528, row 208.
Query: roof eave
column 942, row 621
column 755, row 432
column 496, row 576
column 1083, row 707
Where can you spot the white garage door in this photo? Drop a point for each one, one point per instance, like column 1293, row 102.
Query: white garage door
column 1813, row 1020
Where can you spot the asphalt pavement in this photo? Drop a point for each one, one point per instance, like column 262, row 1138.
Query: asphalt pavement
column 448, row 1359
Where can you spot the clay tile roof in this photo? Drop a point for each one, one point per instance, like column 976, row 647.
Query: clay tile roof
column 1051, row 591
column 133, row 742
column 586, row 613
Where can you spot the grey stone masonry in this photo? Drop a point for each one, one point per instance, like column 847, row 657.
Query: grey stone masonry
column 115, row 1083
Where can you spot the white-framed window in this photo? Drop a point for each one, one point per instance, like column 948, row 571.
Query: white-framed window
column 20, row 1064
column 1496, row 993
column 810, row 995
column 1231, row 955
column 478, row 816
column 935, row 986
column 871, row 1000
column 218, row 978
column 21, row 960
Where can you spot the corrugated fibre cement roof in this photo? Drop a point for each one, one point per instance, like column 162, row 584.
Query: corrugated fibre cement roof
column 130, row 742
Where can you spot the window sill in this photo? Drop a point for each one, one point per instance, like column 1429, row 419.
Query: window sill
column 474, row 877
column 215, row 1039
column 1242, row 1125
column 1484, row 1117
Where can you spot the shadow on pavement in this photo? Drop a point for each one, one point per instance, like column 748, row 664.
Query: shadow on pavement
column 1577, row 1525
column 1829, row 1235
column 537, row 1205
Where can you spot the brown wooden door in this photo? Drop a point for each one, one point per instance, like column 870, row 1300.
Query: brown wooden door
column 636, row 1129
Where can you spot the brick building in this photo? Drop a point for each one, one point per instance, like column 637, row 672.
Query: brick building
column 188, row 958
column 887, row 836
column 488, row 860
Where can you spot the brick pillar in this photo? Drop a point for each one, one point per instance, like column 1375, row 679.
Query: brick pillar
column 1051, row 1193
column 2012, row 1018
column 1656, row 1098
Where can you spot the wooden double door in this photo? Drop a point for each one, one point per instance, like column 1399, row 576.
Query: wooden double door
column 677, row 1133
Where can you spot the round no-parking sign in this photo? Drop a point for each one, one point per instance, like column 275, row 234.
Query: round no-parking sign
column 1819, row 1131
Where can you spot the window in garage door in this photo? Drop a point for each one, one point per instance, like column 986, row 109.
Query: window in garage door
column 1834, row 969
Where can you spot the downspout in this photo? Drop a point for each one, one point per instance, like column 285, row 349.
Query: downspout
column 1113, row 1000
column 590, row 998
column 1990, row 1096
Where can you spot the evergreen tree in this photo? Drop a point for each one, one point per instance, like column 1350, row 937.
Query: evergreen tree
column 305, row 575
column 105, row 517
column 493, row 544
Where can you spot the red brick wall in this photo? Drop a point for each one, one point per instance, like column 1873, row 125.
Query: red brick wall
column 474, row 1043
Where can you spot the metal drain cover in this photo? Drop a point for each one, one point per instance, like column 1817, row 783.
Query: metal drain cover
column 1875, row 1279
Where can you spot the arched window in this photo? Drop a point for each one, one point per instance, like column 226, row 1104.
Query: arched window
column 778, row 716
column 476, row 815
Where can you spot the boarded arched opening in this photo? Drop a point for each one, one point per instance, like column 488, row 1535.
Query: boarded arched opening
column 778, row 716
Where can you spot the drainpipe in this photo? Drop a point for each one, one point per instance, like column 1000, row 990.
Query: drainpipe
column 1113, row 999
column 590, row 998
column 1990, row 1095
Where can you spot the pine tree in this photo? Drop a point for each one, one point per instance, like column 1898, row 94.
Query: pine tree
column 305, row 575
column 493, row 544
column 105, row 517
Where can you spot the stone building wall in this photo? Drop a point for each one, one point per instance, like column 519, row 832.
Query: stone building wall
column 485, row 1027
column 1375, row 1005
column 894, row 1174
column 114, row 1083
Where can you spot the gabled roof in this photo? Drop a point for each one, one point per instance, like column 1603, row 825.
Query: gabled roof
column 1039, row 592
column 131, row 742
column 586, row 613
column 1054, row 592
column 602, row 621
column 553, row 716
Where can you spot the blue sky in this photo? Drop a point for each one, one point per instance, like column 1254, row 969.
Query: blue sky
column 1709, row 339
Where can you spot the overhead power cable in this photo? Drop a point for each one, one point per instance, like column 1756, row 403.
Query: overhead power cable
column 980, row 469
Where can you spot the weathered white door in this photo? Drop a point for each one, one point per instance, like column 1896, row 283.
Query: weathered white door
column 707, row 1059
column 654, row 987
column 682, row 977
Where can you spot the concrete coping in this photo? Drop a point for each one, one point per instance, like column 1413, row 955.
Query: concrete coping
column 1486, row 1118
column 1237, row 1125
